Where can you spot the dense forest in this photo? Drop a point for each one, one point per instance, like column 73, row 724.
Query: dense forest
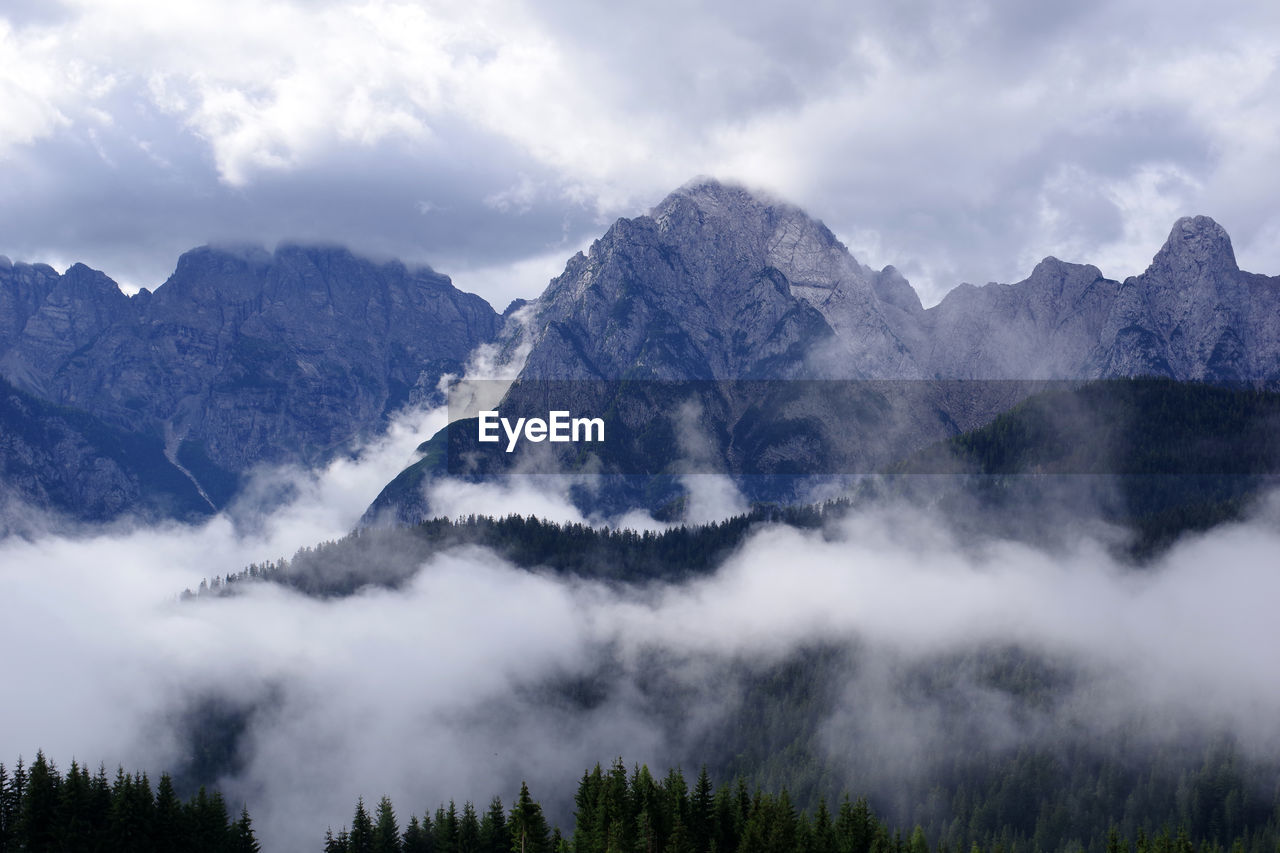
column 621, row 810
column 390, row 556
column 42, row 811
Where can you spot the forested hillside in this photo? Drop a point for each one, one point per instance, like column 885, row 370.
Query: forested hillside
column 42, row 811
column 617, row 809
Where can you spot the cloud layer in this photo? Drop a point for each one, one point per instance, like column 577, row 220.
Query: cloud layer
column 444, row 687
column 959, row 142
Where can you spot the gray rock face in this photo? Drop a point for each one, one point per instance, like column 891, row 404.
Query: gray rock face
column 245, row 356
column 1049, row 326
column 68, row 463
column 1193, row 314
column 241, row 356
column 717, row 284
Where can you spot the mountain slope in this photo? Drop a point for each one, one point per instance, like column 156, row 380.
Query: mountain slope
column 716, row 285
column 67, row 462
column 242, row 356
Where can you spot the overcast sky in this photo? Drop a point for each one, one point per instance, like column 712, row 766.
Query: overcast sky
column 960, row 141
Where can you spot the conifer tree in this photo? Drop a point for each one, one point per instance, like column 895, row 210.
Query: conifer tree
column 6, row 811
column 823, row 837
column 528, row 828
column 386, row 832
column 414, row 839
column 494, row 837
column 588, row 829
column 39, row 807
column 446, row 829
column 75, row 830
column 167, row 829
column 469, row 830
column 244, row 839
column 918, row 842
column 100, row 799
column 360, row 839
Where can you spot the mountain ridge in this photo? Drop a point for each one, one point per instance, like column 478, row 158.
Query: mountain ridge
column 720, row 285
column 245, row 356
column 242, row 356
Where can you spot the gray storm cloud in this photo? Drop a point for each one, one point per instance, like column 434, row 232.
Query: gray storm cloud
column 957, row 143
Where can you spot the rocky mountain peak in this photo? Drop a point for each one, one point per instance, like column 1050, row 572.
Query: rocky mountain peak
column 1197, row 244
column 712, row 198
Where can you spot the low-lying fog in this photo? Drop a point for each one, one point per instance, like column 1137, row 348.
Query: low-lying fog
column 433, row 691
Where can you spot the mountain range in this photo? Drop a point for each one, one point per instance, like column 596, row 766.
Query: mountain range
column 244, row 357
column 719, row 283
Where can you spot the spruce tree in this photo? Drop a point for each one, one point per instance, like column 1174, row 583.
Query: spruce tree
column 75, row 830
column 528, row 829
column 6, row 811
column 702, row 812
column 469, row 830
column 244, row 841
column 446, row 829
column 386, row 833
column 494, row 837
column 414, row 839
column 167, row 829
column 588, row 833
column 360, row 839
column 823, row 837
column 38, row 816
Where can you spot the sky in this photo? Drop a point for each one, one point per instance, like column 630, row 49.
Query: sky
column 959, row 141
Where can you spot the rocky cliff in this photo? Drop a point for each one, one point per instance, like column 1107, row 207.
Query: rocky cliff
column 245, row 356
column 241, row 356
column 716, row 282
column 720, row 285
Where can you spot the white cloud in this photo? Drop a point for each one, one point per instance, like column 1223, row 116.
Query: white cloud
column 437, row 690
column 939, row 129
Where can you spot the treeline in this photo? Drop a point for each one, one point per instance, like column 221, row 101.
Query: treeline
column 496, row 831
column 617, row 810
column 44, row 810
column 389, row 557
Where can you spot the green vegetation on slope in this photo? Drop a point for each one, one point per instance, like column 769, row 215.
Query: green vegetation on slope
column 43, row 810
column 617, row 810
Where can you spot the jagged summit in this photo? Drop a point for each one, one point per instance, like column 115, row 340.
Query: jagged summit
column 1197, row 243
column 718, row 281
column 732, row 261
